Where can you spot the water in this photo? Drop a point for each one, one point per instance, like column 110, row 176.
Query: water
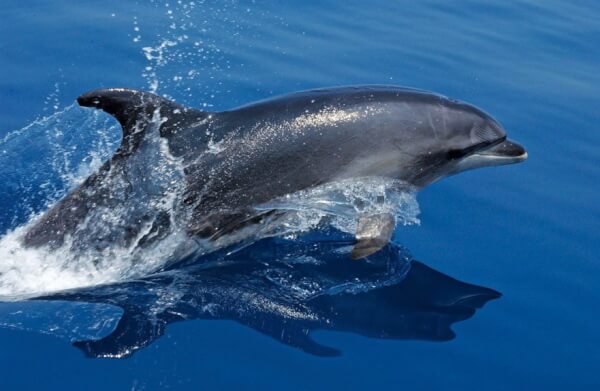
column 527, row 231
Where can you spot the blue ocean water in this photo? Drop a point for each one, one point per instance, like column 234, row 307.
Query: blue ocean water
column 527, row 231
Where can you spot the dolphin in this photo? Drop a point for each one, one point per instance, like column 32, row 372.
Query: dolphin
column 236, row 160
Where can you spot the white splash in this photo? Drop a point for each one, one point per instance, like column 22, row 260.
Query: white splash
column 30, row 271
column 95, row 252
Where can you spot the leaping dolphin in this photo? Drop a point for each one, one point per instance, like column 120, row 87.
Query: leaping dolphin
column 275, row 147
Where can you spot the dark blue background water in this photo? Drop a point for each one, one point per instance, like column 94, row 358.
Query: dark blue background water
column 529, row 231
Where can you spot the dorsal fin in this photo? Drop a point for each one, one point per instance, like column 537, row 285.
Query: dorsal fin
column 135, row 110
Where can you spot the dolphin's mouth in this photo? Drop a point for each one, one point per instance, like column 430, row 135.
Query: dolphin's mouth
column 505, row 152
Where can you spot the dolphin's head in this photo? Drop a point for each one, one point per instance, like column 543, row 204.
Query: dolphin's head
column 465, row 138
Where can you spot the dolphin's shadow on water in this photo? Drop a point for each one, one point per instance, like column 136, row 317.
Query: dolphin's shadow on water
column 287, row 289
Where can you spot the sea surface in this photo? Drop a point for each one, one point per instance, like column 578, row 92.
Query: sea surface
column 492, row 282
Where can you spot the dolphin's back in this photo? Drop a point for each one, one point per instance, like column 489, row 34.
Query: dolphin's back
column 341, row 95
column 289, row 143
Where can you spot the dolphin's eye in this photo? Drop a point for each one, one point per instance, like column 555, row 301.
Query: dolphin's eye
column 455, row 154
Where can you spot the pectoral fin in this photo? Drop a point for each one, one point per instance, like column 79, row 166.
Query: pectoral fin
column 372, row 233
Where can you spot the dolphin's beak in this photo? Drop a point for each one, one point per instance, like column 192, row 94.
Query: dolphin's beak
column 506, row 152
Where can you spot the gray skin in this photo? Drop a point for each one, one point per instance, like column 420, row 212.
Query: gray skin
column 286, row 144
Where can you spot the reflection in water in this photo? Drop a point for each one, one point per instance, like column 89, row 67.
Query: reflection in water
column 284, row 289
